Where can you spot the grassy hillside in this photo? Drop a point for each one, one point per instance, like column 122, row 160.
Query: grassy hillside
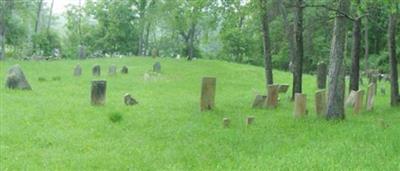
column 54, row 127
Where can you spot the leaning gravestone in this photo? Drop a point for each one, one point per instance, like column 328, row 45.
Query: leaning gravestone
column 157, row 67
column 371, row 96
column 272, row 98
column 16, row 79
column 208, row 93
column 322, row 72
column 98, row 94
column 359, row 100
column 300, row 105
column 351, row 99
column 259, row 101
column 112, row 70
column 283, row 88
column 129, row 100
column 320, row 102
column 96, row 70
column 124, row 70
column 78, row 70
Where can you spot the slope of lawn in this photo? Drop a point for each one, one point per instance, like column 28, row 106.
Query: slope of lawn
column 54, row 127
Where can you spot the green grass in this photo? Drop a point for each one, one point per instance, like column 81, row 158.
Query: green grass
column 54, row 127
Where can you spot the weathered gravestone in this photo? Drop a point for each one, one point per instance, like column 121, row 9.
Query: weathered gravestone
column 78, row 70
column 259, row 101
column 351, row 98
column 124, row 70
column 96, row 70
column 112, row 70
column 98, row 94
column 283, row 88
column 300, row 105
column 371, row 96
column 208, row 93
column 81, row 52
column 154, row 52
column 359, row 100
column 322, row 72
column 250, row 120
column 272, row 98
column 129, row 100
column 320, row 102
column 226, row 122
column 16, row 79
column 157, row 67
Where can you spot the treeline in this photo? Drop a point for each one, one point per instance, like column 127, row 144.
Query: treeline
column 219, row 29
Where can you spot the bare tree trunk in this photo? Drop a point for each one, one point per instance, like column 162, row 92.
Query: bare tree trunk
column 190, row 43
column 335, row 107
column 2, row 32
column 267, row 43
column 298, row 57
column 51, row 15
column 38, row 15
column 394, row 91
column 146, row 40
column 366, row 55
column 288, row 30
column 356, row 53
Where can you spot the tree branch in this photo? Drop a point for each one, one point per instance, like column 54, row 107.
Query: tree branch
column 330, row 9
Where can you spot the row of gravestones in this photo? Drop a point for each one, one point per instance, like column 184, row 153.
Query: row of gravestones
column 112, row 70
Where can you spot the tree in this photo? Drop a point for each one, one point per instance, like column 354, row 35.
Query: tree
column 266, row 43
column 335, row 106
column 299, row 53
column 356, row 52
column 394, row 86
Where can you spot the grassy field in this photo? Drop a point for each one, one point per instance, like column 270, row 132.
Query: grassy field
column 54, row 127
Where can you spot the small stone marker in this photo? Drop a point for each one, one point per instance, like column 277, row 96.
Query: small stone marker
column 226, row 122
column 371, row 96
column 129, row 100
column 208, row 93
column 16, row 79
column 300, row 105
column 283, row 88
column 249, row 120
column 359, row 100
column 272, row 98
column 112, row 70
column 124, row 70
column 42, row 79
column 351, row 99
column 98, row 95
column 157, row 67
column 320, row 102
column 78, row 71
column 259, row 101
column 322, row 73
column 96, row 70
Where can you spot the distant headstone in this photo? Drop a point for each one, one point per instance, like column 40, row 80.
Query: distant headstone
column 157, row 67
column 112, row 70
column 16, row 79
column 351, row 98
column 249, row 120
column 78, row 70
column 208, row 93
column 96, row 70
column 259, row 101
column 300, row 105
column 320, row 102
column 371, row 96
column 283, row 88
column 124, row 70
column 154, row 52
column 81, row 52
column 226, row 122
column 322, row 73
column 272, row 97
column 98, row 94
column 42, row 79
column 359, row 100
column 129, row 100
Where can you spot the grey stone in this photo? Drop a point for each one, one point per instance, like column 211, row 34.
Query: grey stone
column 157, row 67
column 129, row 100
column 16, row 79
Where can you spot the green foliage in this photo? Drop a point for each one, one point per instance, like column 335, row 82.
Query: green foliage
column 115, row 117
column 46, row 42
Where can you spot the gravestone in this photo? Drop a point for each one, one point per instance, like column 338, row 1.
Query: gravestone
column 226, row 122
column 124, row 70
column 283, row 88
column 81, row 52
column 42, row 79
column 96, row 70
column 154, row 52
column 16, row 79
column 359, row 100
column 112, row 70
column 371, row 96
column 272, row 97
column 250, row 120
column 98, row 94
column 320, row 102
column 129, row 100
column 157, row 67
column 208, row 93
column 300, row 105
column 322, row 73
column 351, row 98
column 78, row 70
column 259, row 101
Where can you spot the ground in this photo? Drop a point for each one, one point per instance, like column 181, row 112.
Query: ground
column 54, row 127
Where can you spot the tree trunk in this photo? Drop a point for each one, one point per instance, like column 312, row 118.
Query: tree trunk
column 394, row 85
column 288, row 30
column 298, row 57
column 146, row 40
column 356, row 53
column 2, row 35
column 51, row 14
column 267, row 43
column 38, row 15
column 366, row 55
column 190, row 42
column 335, row 107
column 321, row 75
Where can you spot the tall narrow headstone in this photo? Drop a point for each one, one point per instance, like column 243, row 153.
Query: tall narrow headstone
column 78, row 71
column 124, row 70
column 157, row 67
column 351, row 99
column 359, row 101
column 112, row 70
column 208, row 93
column 96, row 70
column 98, row 94
column 249, row 120
column 321, row 75
column 371, row 96
column 272, row 97
column 16, row 79
column 320, row 102
column 300, row 105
